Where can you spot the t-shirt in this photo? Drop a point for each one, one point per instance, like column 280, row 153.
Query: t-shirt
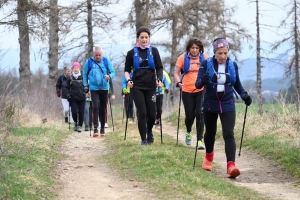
column 190, row 78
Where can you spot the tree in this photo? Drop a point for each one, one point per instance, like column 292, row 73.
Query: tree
column 53, row 43
column 292, row 37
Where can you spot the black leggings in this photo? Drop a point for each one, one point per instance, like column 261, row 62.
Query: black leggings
column 159, row 103
column 192, row 108
column 145, row 105
column 99, row 99
column 77, row 107
column 227, row 122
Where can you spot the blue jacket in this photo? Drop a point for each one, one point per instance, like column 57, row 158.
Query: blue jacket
column 165, row 85
column 226, row 103
column 96, row 75
column 124, row 81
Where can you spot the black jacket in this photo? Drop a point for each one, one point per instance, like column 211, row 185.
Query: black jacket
column 144, row 78
column 75, row 88
column 61, row 86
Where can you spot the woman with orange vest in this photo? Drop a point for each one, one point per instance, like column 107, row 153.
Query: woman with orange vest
column 189, row 63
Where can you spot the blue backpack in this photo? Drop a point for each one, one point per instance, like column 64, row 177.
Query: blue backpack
column 137, row 61
column 90, row 64
column 211, row 71
column 187, row 63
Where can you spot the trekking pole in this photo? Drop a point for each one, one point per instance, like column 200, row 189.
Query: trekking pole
column 127, row 114
column 178, row 115
column 243, row 130
column 160, row 103
column 123, row 108
column 167, row 104
column 69, row 120
column 200, row 121
column 90, row 118
column 112, row 118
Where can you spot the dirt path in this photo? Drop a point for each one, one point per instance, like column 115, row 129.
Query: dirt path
column 83, row 177
column 257, row 172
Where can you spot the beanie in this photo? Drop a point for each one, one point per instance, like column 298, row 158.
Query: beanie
column 76, row 64
column 220, row 43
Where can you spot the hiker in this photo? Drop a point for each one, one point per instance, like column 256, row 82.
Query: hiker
column 159, row 98
column 61, row 92
column 76, row 96
column 220, row 77
column 144, row 60
column 97, row 72
column 110, row 96
column 189, row 63
column 128, row 101
column 87, row 110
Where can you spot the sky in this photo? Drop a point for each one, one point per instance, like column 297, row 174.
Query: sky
column 244, row 14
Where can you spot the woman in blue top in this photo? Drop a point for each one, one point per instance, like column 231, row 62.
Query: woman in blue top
column 220, row 77
column 97, row 72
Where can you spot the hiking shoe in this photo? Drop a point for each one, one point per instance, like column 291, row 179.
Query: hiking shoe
column 105, row 125
column 207, row 165
column 86, row 128
column 96, row 134
column 144, row 143
column 79, row 129
column 150, row 138
column 188, row 138
column 232, row 170
column 75, row 127
column 102, row 133
column 200, row 145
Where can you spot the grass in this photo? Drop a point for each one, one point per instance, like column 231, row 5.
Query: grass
column 26, row 173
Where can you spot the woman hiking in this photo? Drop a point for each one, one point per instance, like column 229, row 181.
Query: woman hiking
column 76, row 96
column 62, row 92
column 147, row 68
column 220, row 77
column 189, row 63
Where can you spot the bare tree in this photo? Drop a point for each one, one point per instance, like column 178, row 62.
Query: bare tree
column 53, row 43
column 292, row 37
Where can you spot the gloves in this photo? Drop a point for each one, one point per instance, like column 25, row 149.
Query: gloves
column 86, row 88
column 205, row 78
column 177, row 84
column 166, row 91
column 69, row 98
column 125, row 91
column 247, row 99
column 58, row 94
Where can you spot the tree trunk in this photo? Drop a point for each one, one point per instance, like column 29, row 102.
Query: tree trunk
column 258, row 63
column 24, row 68
column 138, row 14
column 90, row 29
column 53, row 43
column 173, row 58
column 296, row 55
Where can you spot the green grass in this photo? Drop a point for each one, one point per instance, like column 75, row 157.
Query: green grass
column 282, row 152
column 26, row 171
column 167, row 169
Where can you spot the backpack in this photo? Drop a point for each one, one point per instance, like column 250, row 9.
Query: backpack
column 90, row 65
column 137, row 61
column 187, row 63
column 211, row 71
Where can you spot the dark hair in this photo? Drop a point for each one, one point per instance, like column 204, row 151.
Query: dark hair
column 142, row 29
column 196, row 41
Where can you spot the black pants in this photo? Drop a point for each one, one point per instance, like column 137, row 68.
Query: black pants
column 99, row 99
column 192, row 107
column 159, row 103
column 145, row 105
column 77, row 108
column 128, row 104
column 227, row 122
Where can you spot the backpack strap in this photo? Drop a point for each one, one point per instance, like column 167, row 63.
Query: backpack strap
column 90, row 65
column 187, row 62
